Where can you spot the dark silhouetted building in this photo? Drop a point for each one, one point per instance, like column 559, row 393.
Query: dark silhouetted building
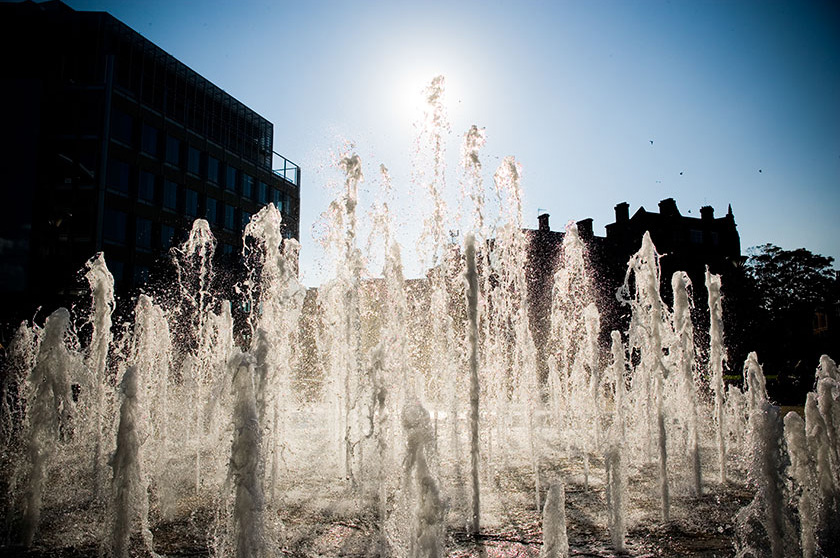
column 685, row 244
column 545, row 248
column 111, row 144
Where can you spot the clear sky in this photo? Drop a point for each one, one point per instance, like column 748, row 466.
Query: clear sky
column 741, row 100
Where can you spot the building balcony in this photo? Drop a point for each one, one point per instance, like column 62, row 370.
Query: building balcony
column 285, row 169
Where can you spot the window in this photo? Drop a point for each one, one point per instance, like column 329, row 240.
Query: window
column 173, row 151
column 282, row 201
column 117, row 269
column 247, row 186
column 246, row 218
column 227, row 249
column 232, row 175
column 122, row 127
column 695, row 236
column 166, row 234
column 88, row 110
column 119, row 174
column 146, row 187
column 210, row 211
column 149, row 140
column 144, row 233
column 87, row 156
column 191, row 203
column 212, row 169
column 114, row 226
column 141, row 274
column 193, row 160
column 170, row 195
column 262, row 193
column 229, row 217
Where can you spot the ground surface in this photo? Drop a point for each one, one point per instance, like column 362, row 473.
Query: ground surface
column 312, row 520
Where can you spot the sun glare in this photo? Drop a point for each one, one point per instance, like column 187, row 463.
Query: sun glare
column 409, row 92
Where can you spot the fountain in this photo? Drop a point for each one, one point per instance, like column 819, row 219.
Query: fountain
column 415, row 421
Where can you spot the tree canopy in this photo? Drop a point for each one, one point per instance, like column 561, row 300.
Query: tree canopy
column 791, row 281
column 782, row 292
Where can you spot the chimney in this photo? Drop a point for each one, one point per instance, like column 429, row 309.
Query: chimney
column 584, row 227
column 543, row 220
column 668, row 208
column 707, row 213
column 622, row 212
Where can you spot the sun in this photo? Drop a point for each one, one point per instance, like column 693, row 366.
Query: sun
column 411, row 91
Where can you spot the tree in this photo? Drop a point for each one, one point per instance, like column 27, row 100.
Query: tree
column 791, row 281
column 791, row 286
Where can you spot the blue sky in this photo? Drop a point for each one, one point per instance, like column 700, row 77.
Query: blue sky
column 574, row 90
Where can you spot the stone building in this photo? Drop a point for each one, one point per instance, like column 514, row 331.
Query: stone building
column 685, row 243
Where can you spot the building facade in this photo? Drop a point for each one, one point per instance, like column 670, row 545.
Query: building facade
column 111, row 144
column 685, row 243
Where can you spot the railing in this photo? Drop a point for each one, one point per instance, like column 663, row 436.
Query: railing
column 286, row 169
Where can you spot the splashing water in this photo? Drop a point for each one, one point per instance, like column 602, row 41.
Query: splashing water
column 409, row 417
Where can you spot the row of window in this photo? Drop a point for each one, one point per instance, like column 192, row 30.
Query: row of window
column 163, row 83
column 216, row 213
column 155, row 190
column 141, row 272
column 149, row 235
column 697, row 237
column 177, row 153
column 115, row 231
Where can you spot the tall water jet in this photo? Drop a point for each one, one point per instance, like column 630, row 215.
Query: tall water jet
column 828, row 399
column 194, row 267
column 426, row 539
column 763, row 524
column 352, row 167
column 755, row 383
column 49, row 417
column 472, row 335
column 19, row 362
column 647, row 321
column 193, row 262
column 241, row 521
column 130, row 500
column 822, row 427
column 512, row 289
column 615, row 460
column 803, row 472
column 472, row 189
column 151, row 356
column 592, row 321
column 684, row 356
column 716, row 360
column 102, row 290
column 380, row 409
column 573, row 336
column 431, row 138
column 439, row 252
column 272, row 265
column 473, row 185
column 555, row 539
column 340, row 340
